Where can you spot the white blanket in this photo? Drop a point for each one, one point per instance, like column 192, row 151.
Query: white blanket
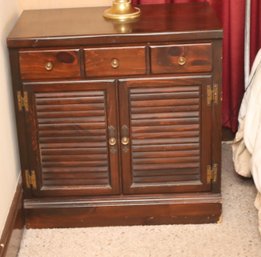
column 247, row 144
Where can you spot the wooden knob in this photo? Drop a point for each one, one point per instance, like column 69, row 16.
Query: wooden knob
column 49, row 66
column 115, row 63
column 182, row 60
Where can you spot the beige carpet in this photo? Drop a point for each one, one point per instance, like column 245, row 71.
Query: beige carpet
column 237, row 235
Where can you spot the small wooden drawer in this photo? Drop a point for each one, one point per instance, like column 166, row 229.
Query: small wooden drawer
column 47, row 64
column 115, row 61
column 181, row 58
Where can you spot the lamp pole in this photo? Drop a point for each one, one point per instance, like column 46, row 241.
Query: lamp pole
column 122, row 10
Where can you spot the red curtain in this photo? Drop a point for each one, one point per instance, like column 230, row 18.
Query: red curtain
column 232, row 15
column 255, row 32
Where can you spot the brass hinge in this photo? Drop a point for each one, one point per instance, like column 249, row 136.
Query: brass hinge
column 22, row 101
column 212, row 173
column 30, row 179
column 212, row 94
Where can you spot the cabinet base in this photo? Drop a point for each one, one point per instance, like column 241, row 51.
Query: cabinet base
column 83, row 212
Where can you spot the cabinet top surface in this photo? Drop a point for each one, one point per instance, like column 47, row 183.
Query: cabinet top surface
column 80, row 24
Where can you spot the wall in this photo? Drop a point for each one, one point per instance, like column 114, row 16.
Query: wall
column 40, row 4
column 9, row 164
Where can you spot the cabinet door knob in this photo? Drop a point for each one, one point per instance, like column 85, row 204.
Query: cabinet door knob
column 49, row 66
column 115, row 63
column 125, row 140
column 112, row 141
column 182, row 60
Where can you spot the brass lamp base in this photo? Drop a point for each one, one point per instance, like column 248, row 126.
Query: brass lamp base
column 122, row 10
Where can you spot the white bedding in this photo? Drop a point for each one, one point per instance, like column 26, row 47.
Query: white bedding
column 247, row 144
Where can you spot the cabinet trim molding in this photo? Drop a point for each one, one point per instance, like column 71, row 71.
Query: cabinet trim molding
column 146, row 210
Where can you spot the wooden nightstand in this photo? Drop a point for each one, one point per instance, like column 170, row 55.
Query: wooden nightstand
column 118, row 128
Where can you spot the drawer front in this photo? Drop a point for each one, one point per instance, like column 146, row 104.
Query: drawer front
column 181, row 58
column 49, row 64
column 115, row 61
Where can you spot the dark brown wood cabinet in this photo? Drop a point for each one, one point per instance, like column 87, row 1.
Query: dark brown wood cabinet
column 118, row 128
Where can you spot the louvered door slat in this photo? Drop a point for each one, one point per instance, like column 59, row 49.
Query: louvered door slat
column 153, row 122
column 155, row 129
column 165, row 121
column 163, row 109
column 70, row 138
column 169, row 147
column 165, row 154
column 78, row 126
column 65, row 133
column 75, row 107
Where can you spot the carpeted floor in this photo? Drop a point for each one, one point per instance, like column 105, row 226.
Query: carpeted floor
column 237, row 235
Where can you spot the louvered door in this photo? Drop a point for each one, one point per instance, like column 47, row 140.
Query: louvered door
column 166, row 134
column 69, row 127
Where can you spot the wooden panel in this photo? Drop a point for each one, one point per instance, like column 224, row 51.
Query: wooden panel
column 217, row 114
column 181, row 58
column 124, row 210
column 115, row 61
column 169, row 150
column 46, row 64
column 69, row 138
column 81, row 26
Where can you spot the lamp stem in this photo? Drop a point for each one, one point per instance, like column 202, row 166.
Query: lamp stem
column 122, row 10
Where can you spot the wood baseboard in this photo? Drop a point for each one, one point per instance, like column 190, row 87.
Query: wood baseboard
column 14, row 226
column 50, row 213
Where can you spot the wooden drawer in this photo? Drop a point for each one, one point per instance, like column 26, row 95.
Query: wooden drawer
column 115, row 61
column 181, row 58
column 46, row 64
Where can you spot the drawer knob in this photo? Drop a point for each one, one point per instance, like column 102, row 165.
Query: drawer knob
column 115, row 63
column 112, row 141
column 49, row 66
column 125, row 140
column 182, row 60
